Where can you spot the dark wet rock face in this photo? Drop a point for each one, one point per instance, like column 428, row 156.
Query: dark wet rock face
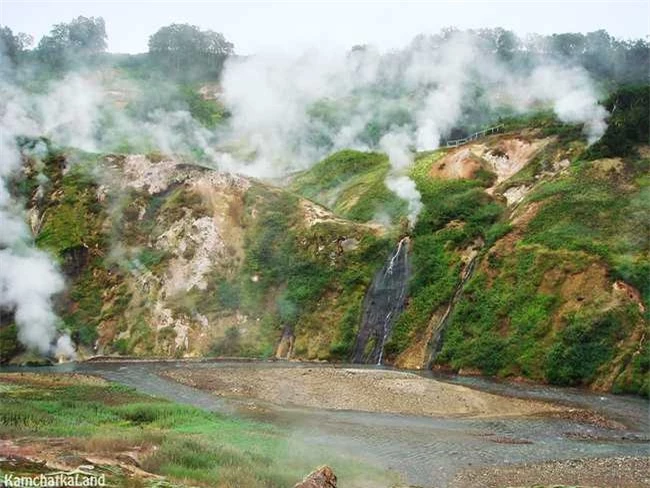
column 383, row 304
column 74, row 261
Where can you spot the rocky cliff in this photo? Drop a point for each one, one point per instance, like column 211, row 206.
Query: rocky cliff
column 162, row 258
column 529, row 259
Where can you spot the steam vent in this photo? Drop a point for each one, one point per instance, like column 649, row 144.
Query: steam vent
column 236, row 251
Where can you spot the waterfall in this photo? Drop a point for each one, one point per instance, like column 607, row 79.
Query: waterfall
column 382, row 305
column 435, row 342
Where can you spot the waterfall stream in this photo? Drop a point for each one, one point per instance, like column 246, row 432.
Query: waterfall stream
column 435, row 343
column 384, row 302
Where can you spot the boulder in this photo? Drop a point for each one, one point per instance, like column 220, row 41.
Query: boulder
column 322, row 477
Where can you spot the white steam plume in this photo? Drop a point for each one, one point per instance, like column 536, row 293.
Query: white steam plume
column 287, row 113
column 573, row 97
column 28, row 277
column 396, row 146
column 290, row 111
column 78, row 112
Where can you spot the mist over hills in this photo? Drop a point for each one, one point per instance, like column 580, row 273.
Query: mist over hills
column 191, row 202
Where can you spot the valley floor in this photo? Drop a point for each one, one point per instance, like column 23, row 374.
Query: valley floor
column 619, row 472
column 360, row 389
column 231, row 424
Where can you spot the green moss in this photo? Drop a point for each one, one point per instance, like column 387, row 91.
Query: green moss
column 637, row 380
column 9, row 344
column 351, row 183
column 74, row 218
column 347, row 332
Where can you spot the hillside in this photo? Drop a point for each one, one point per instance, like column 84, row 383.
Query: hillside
column 331, row 256
column 529, row 259
column 168, row 259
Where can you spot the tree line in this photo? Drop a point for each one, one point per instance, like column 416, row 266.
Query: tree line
column 180, row 50
column 183, row 50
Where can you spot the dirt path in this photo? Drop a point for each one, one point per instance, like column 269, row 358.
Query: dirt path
column 356, row 389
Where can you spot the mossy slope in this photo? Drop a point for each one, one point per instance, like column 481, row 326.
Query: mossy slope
column 163, row 258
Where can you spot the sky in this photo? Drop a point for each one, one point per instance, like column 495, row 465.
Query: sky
column 270, row 26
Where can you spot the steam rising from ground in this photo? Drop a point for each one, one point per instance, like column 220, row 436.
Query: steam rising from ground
column 28, row 277
column 287, row 113
column 395, row 145
column 79, row 111
column 290, row 111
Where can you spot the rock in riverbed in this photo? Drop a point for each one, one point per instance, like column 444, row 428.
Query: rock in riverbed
column 322, row 477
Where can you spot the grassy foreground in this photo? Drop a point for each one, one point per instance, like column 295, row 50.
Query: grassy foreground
column 139, row 440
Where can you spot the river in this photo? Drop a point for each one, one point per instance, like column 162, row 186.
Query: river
column 425, row 451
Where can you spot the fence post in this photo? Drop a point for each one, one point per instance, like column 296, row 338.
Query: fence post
column 474, row 136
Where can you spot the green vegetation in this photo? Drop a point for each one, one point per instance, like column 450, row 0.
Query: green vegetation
column 9, row 344
column 507, row 322
column 351, row 183
column 186, row 445
column 185, row 51
column 294, row 266
column 290, row 273
column 582, row 347
column 289, row 269
column 229, row 345
column 628, row 125
column 514, row 325
column 600, row 210
column 72, row 231
column 73, row 217
column 72, row 44
column 527, row 313
column 436, row 245
column 546, row 122
column 207, row 111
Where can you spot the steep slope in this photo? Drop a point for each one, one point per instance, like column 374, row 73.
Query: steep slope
column 164, row 258
column 530, row 257
column 351, row 183
column 528, row 260
column 558, row 298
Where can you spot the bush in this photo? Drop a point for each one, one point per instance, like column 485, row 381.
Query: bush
column 229, row 344
column 582, row 347
column 228, row 294
column 9, row 344
column 628, row 124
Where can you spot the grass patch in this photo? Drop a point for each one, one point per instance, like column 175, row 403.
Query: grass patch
column 436, row 244
column 351, row 183
column 185, row 444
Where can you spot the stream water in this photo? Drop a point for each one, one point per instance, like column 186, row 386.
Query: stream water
column 435, row 343
column 425, row 451
column 382, row 305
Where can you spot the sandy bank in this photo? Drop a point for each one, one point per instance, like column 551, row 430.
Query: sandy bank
column 356, row 389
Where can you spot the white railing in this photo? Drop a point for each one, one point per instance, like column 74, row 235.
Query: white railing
column 474, row 136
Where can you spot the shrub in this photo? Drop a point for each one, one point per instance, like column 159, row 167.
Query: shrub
column 628, row 124
column 582, row 347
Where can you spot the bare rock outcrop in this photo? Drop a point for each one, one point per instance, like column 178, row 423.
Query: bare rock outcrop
column 322, row 477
